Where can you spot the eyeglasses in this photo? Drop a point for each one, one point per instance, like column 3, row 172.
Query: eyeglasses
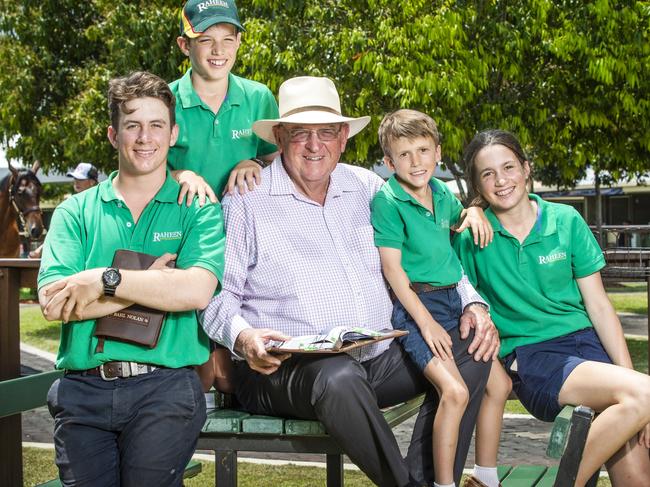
column 302, row 135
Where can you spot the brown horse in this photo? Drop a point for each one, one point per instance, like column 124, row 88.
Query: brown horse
column 20, row 211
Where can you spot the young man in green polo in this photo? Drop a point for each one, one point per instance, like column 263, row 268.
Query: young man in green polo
column 118, row 399
column 412, row 215
column 216, row 109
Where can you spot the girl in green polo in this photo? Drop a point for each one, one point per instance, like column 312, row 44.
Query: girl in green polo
column 561, row 341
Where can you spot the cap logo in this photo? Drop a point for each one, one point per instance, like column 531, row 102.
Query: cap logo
column 211, row 3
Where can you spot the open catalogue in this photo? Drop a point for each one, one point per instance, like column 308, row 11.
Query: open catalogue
column 338, row 339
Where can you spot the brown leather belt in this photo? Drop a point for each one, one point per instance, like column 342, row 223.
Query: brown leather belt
column 422, row 287
column 117, row 370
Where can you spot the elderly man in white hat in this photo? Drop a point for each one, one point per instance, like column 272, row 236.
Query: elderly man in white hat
column 300, row 259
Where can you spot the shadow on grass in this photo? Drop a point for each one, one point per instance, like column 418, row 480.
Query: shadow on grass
column 51, row 331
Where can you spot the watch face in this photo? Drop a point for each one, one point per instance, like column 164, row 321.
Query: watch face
column 111, row 277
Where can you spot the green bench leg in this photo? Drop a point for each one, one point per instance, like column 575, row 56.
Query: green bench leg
column 568, row 469
column 225, row 467
column 334, row 470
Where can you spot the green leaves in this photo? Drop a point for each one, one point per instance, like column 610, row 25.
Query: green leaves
column 569, row 77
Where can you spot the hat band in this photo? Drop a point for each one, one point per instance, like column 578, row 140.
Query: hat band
column 314, row 108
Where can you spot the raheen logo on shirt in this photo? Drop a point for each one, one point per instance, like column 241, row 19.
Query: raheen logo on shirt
column 166, row 236
column 547, row 259
column 238, row 134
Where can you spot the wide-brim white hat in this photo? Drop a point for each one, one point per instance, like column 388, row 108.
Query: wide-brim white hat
column 308, row 100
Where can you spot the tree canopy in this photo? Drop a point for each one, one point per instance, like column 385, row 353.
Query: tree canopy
column 571, row 78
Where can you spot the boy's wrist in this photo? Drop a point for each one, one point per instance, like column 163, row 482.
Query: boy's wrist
column 479, row 304
column 259, row 161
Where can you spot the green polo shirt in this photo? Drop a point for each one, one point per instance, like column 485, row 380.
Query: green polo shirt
column 531, row 287
column 400, row 222
column 212, row 144
column 85, row 232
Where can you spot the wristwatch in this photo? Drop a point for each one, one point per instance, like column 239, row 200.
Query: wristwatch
column 111, row 278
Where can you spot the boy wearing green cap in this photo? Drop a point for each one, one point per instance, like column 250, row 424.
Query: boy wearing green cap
column 215, row 110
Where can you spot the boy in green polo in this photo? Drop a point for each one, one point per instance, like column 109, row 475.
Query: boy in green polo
column 117, row 400
column 216, row 148
column 412, row 215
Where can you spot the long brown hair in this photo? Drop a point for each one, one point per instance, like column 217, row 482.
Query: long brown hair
column 480, row 141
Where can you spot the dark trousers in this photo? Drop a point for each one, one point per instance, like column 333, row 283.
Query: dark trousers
column 346, row 396
column 137, row 431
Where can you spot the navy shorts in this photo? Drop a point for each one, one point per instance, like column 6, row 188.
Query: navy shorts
column 445, row 307
column 543, row 367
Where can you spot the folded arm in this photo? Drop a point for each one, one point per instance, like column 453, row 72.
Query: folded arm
column 81, row 295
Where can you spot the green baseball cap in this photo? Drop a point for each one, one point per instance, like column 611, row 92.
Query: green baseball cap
column 198, row 15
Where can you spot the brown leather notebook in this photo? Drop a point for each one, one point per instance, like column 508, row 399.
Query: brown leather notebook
column 135, row 324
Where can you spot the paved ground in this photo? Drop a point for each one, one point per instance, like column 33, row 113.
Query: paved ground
column 523, row 438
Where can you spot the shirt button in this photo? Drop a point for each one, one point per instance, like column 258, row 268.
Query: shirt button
column 216, row 122
column 129, row 224
column 428, row 213
column 119, row 204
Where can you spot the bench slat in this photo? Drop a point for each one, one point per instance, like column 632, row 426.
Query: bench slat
column 24, row 393
column 524, row 476
column 265, row 425
column 402, row 412
column 303, row 427
column 503, row 470
column 236, row 421
column 548, row 480
column 224, row 421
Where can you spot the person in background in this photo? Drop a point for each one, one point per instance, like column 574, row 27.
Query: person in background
column 85, row 177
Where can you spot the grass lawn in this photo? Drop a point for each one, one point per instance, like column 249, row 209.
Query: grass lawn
column 39, row 467
column 36, row 331
column 629, row 297
column 634, row 302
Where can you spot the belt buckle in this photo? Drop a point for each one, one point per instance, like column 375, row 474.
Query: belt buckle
column 103, row 375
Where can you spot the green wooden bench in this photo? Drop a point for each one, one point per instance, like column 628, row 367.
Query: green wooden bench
column 228, row 431
column 30, row 392
column 566, row 442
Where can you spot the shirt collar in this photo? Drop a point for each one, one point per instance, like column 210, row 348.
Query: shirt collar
column 168, row 192
column 400, row 193
column 546, row 223
column 189, row 98
column 341, row 181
